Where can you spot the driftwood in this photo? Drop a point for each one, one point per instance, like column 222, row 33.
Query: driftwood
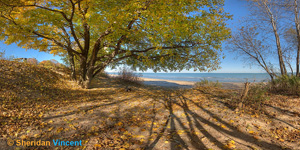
column 244, row 95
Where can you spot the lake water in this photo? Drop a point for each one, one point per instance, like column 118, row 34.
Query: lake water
column 221, row 77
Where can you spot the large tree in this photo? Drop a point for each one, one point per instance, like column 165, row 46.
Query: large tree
column 268, row 14
column 292, row 33
column 156, row 34
column 248, row 43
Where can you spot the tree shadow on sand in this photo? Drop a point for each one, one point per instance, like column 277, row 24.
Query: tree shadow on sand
column 195, row 121
column 132, row 121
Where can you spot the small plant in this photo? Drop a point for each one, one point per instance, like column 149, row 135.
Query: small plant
column 205, row 82
column 128, row 76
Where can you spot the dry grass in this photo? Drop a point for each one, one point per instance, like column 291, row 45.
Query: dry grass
column 127, row 76
column 205, row 83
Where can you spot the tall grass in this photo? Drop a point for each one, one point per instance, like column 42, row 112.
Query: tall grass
column 127, row 76
column 288, row 85
column 205, row 82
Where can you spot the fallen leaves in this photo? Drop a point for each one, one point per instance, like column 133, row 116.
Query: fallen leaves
column 230, row 144
column 124, row 124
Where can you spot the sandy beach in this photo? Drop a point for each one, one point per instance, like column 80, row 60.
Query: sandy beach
column 184, row 84
column 187, row 84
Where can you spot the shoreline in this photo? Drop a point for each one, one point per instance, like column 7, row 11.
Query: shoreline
column 184, row 84
column 187, row 84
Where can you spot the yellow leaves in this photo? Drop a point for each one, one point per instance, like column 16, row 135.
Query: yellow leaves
column 223, row 126
column 41, row 115
column 256, row 137
column 94, row 128
column 230, row 145
column 139, row 136
column 122, row 129
column 119, row 124
column 183, row 115
column 126, row 133
column 37, row 135
column 180, row 132
column 231, row 121
column 255, row 125
column 142, row 140
column 281, row 140
column 23, row 137
column 251, row 132
column 72, row 126
column 59, row 130
column 50, row 129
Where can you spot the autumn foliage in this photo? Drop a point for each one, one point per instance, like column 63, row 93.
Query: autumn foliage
column 144, row 34
column 26, row 92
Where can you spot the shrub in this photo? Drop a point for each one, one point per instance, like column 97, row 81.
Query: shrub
column 205, row 82
column 103, row 74
column 289, row 85
column 32, row 61
column 257, row 95
column 128, row 76
column 47, row 64
column 2, row 54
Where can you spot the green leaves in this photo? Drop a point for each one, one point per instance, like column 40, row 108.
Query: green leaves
column 158, row 35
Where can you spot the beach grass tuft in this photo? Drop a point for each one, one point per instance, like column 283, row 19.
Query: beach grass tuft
column 127, row 76
column 205, row 82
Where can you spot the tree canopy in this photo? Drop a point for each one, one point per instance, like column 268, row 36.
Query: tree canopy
column 146, row 34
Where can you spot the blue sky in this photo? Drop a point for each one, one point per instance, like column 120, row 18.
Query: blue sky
column 230, row 64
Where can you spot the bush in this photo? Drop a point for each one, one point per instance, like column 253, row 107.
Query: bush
column 47, row 64
column 128, row 76
column 256, row 97
column 103, row 74
column 2, row 55
column 289, row 85
column 205, row 82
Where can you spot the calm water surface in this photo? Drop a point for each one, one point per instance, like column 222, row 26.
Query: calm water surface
column 221, row 77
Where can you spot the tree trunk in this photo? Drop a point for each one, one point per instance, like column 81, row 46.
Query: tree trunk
column 86, row 84
column 279, row 51
column 83, row 73
column 244, row 95
column 72, row 64
column 272, row 76
column 298, row 36
column 291, row 68
column 298, row 59
column 86, row 75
